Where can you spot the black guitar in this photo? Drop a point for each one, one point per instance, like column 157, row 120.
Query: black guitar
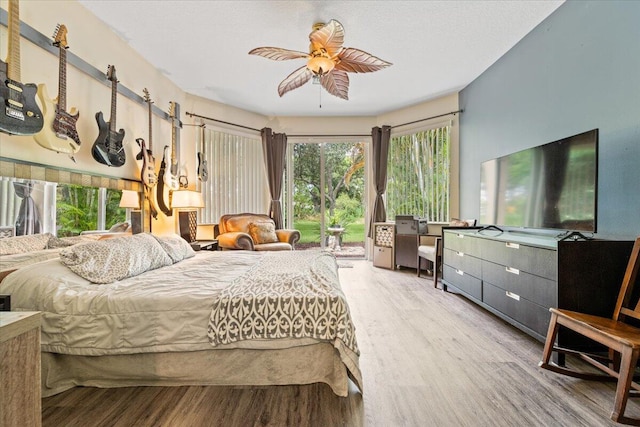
column 20, row 115
column 161, row 185
column 108, row 148
column 203, row 174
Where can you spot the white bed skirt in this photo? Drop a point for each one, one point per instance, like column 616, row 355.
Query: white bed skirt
column 307, row 364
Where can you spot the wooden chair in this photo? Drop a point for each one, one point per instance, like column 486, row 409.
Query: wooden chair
column 617, row 333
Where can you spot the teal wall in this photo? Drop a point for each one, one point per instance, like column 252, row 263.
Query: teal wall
column 578, row 70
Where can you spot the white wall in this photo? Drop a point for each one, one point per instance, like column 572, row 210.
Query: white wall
column 94, row 42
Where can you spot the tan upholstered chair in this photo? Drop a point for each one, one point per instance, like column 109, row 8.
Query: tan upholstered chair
column 254, row 232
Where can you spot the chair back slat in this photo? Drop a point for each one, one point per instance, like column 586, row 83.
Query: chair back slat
column 628, row 303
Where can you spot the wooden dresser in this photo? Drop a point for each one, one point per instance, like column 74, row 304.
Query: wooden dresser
column 518, row 277
column 20, row 403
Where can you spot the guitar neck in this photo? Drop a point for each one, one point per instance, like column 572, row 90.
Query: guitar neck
column 13, row 56
column 150, row 128
column 175, row 140
column 114, row 98
column 62, row 80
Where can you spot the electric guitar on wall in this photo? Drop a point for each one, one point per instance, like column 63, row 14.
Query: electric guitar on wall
column 172, row 179
column 20, row 115
column 108, row 148
column 167, row 177
column 59, row 131
column 203, row 174
column 148, row 168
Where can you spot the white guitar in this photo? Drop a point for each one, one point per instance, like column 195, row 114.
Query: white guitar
column 171, row 178
column 59, row 131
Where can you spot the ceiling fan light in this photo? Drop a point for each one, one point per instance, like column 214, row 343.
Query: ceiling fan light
column 320, row 65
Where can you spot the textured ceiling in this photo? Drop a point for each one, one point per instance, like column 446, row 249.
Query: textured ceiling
column 436, row 47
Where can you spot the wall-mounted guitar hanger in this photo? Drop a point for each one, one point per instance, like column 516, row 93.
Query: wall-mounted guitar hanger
column 44, row 42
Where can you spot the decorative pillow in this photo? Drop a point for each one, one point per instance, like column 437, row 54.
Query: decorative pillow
column 24, row 244
column 263, row 232
column 120, row 227
column 55, row 243
column 106, row 261
column 176, row 247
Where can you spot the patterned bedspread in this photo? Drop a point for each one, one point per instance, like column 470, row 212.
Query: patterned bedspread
column 287, row 295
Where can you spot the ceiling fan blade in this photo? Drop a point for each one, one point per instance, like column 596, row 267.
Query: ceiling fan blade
column 330, row 37
column 278, row 54
column 295, row 80
column 336, row 83
column 358, row 61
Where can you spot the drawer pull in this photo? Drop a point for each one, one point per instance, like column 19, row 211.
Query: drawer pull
column 460, row 254
column 460, row 272
column 512, row 270
column 512, row 245
column 512, row 295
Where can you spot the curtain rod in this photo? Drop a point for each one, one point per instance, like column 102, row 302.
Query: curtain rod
column 328, row 135
column 221, row 121
column 428, row 118
column 258, row 130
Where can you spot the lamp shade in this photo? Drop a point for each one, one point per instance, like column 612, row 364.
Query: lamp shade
column 130, row 199
column 187, row 199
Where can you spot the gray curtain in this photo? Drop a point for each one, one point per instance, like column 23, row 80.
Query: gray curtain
column 28, row 220
column 274, row 147
column 380, row 143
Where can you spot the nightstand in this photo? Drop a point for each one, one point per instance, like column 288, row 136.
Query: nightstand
column 205, row 245
column 20, row 403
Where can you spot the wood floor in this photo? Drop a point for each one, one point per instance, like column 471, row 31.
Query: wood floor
column 429, row 358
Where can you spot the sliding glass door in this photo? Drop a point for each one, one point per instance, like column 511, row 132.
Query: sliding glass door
column 325, row 195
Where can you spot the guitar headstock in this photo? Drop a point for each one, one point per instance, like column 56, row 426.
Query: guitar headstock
column 111, row 73
column 147, row 97
column 60, row 36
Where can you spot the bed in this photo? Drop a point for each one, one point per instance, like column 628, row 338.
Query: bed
column 18, row 251
column 203, row 318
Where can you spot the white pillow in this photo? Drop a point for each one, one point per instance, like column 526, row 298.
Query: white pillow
column 176, row 247
column 24, row 244
column 106, row 261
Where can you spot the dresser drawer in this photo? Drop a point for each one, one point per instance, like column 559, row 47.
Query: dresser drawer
column 462, row 242
column 534, row 260
column 465, row 282
column 523, row 311
column 462, row 261
column 534, row 288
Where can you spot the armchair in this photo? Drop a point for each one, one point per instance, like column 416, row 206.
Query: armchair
column 254, row 232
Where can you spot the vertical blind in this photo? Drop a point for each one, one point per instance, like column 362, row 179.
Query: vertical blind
column 418, row 175
column 237, row 177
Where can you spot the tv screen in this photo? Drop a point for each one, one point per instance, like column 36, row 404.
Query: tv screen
column 552, row 186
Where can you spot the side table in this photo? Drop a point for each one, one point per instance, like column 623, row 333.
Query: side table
column 20, row 403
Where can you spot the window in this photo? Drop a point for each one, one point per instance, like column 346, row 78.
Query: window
column 60, row 209
column 237, row 178
column 418, row 175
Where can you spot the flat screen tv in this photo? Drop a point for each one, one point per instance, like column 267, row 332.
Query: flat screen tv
column 552, row 186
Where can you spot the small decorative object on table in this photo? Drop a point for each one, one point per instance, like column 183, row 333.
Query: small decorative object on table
column 205, row 245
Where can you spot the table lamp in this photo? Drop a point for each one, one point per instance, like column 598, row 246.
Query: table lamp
column 183, row 200
column 131, row 201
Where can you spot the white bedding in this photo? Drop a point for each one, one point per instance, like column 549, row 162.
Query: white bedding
column 14, row 261
column 161, row 310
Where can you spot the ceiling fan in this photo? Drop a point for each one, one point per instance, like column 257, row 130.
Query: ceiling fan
column 327, row 61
